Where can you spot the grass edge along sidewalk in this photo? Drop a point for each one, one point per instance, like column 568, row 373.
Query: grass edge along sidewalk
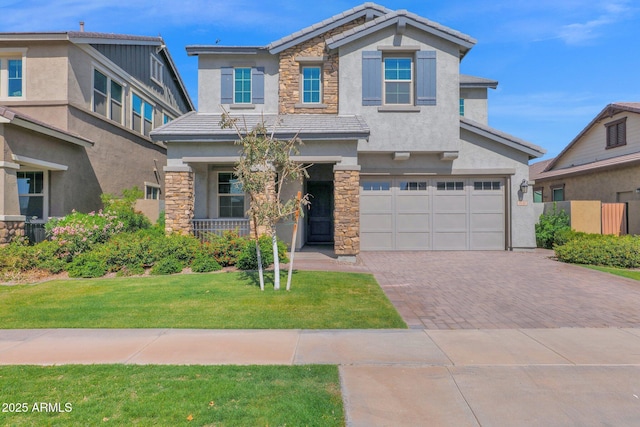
column 317, row 300
column 171, row 395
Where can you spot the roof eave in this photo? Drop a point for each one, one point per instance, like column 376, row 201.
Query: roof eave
column 532, row 150
column 195, row 50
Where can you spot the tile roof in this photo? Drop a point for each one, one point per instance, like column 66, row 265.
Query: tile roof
column 608, row 111
column 502, row 137
column 392, row 17
column 334, row 21
column 206, row 127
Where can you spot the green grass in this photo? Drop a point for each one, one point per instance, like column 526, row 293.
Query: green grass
column 317, row 300
column 630, row 274
column 169, row 395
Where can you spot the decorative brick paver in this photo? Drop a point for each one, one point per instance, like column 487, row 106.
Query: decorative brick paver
column 502, row 290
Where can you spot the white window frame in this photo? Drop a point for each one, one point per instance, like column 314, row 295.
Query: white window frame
column 44, row 194
column 145, row 106
column 411, row 81
column 157, row 69
column 235, row 70
column 302, row 81
column 155, row 191
column 220, row 195
column 7, row 54
column 109, row 99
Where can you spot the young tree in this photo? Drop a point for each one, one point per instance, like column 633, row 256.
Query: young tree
column 264, row 167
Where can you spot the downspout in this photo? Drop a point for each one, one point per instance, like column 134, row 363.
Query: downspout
column 509, row 214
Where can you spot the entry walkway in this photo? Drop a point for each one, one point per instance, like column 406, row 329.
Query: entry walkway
column 566, row 376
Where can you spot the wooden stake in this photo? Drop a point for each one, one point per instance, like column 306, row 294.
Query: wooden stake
column 293, row 240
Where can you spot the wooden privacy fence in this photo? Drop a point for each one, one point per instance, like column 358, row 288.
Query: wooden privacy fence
column 614, row 218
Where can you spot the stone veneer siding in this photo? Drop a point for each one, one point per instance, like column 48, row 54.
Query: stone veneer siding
column 290, row 69
column 346, row 212
column 10, row 230
column 178, row 201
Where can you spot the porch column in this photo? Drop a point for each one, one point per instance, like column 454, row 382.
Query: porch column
column 11, row 222
column 178, row 185
column 346, row 188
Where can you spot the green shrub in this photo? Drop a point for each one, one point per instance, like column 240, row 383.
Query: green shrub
column 226, row 248
column 45, row 256
column 124, row 209
column 605, row 250
column 16, row 256
column 87, row 265
column 204, row 263
column 131, row 251
column 248, row 259
column 180, row 246
column 549, row 225
column 167, row 265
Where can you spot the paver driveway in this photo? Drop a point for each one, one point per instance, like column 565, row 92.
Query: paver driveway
column 506, row 290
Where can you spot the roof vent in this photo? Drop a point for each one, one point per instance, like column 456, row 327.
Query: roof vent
column 82, row 26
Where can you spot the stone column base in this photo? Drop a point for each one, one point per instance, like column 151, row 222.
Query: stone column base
column 346, row 232
column 10, row 231
column 179, row 203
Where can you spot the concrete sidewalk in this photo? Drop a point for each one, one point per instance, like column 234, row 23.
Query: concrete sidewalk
column 567, row 376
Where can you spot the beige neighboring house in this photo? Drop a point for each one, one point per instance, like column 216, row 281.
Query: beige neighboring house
column 601, row 163
column 76, row 110
column 401, row 151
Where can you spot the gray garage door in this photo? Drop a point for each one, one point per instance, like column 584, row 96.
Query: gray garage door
column 401, row 213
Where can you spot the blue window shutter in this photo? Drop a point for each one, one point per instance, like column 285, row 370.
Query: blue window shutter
column 426, row 77
column 372, row 78
column 257, row 85
column 226, row 89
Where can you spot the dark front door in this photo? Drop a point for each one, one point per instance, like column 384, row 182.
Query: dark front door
column 320, row 212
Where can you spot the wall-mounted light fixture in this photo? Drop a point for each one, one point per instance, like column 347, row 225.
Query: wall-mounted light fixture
column 524, row 186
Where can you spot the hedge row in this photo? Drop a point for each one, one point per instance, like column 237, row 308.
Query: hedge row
column 597, row 249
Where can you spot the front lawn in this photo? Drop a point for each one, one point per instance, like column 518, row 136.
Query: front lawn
column 151, row 395
column 630, row 274
column 317, row 300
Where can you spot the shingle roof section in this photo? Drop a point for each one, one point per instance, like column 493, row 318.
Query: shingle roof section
column 536, row 169
column 206, row 127
column 500, row 136
column 473, row 81
column 392, row 17
column 11, row 115
column 112, row 36
column 614, row 162
column 327, row 24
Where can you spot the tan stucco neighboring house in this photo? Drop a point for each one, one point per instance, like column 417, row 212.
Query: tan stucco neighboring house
column 76, row 110
column 601, row 163
column 402, row 154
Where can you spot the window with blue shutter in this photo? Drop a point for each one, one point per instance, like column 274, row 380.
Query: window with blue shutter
column 372, row 78
column 242, row 85
column 425, row 77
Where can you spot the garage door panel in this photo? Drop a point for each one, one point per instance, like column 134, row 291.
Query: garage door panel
column 412, row 222
column 457, row 203
column 376, row 203
column 487, row 241
column 377, row 241
column 450, row 241
column 488, row 202
column 409, row 203
column 487, row 221
column 450, row 221
column 412, row 241
column 376, row 222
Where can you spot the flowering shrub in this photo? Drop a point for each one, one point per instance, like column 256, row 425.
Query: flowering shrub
column 78, row 232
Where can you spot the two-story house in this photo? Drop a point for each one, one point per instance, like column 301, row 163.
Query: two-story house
column 76, row 110
column 402, row 156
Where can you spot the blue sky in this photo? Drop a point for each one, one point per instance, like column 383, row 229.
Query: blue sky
column 559, row 62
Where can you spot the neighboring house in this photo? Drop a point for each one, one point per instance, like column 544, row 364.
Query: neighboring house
column 601, row 163
column 76, row 110
column 402, row 156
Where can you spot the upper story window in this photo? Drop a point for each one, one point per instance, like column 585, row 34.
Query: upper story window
column 616, row 133
column 242, row 86
column 312, row 84
column 157, row 70
column 107, row 97
column 11, row 76
column 390, row 78
column 398, row 81
column 461, row 106
column 142, row 115
column 166, row 118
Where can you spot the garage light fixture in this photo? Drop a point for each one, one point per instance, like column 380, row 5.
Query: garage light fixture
column 524, row 186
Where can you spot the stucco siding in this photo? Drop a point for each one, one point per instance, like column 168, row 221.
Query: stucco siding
column 592, row 145
column 209, row 81
column 429, row 129
column 475, row 104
